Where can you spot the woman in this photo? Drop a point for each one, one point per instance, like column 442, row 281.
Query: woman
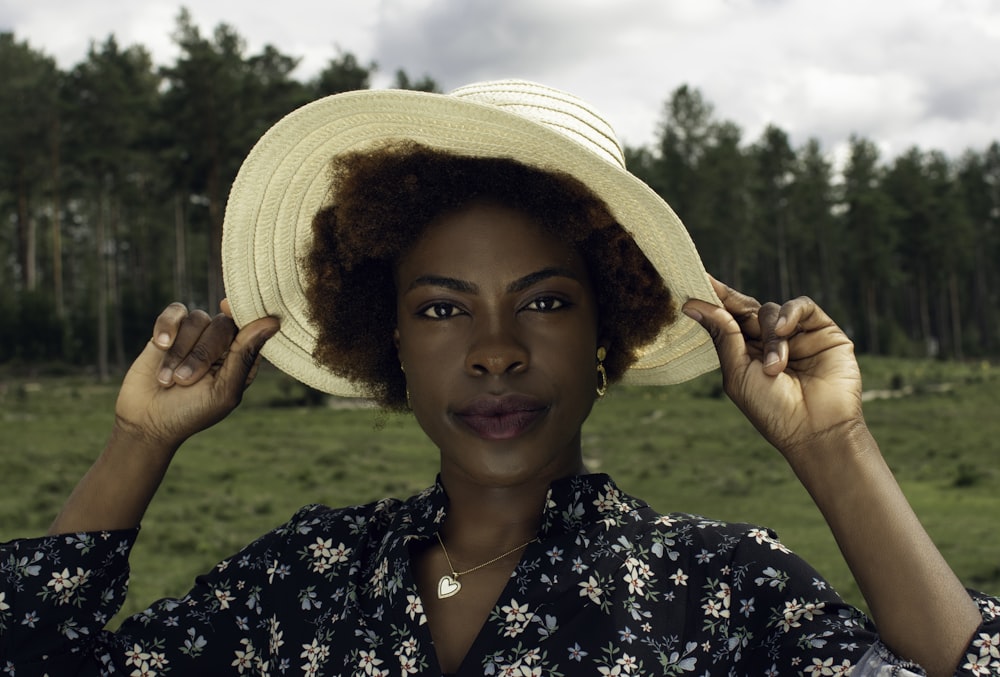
column 484, row 260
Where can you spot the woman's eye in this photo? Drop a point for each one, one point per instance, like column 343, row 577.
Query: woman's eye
column 440, row 311
column 546, row 303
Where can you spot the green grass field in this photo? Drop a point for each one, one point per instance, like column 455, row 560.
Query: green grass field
column 685, row 448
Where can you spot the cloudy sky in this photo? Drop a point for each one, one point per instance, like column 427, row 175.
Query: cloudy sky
column 900, row 72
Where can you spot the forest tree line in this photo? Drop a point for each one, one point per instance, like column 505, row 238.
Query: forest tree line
column 114, row 176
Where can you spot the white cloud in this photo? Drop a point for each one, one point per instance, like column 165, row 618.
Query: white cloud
column 901, row 72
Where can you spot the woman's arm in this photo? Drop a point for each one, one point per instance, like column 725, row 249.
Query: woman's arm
column 792, row 371
column 191, row 374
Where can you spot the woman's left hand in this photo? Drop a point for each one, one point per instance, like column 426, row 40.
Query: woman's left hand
column 789, row 368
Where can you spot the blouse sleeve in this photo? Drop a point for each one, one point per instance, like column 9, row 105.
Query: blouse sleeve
column 60, row 591
column 56, row 594
column 809, row 627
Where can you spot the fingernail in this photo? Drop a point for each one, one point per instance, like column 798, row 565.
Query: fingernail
column 183, row 372
column 163, row 340
column 772, row 358
column 164, row 376
column 693, row 314
column 782, row 321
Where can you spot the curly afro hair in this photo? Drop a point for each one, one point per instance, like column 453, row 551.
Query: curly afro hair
column 382, row 200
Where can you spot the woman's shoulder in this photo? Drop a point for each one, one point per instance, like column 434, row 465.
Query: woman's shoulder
column 363, row 520
column 615, row 510
column 699, row 537
column 707, row 528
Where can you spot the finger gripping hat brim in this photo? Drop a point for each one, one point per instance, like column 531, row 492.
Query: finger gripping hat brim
column 285, row 180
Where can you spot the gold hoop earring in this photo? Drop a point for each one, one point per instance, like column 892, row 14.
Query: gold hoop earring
column 603, row 387
column 406, row 386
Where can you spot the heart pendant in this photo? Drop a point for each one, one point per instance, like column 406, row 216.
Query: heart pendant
column 448, row 587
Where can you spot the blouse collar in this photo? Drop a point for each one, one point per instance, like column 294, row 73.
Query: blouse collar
column 571, row 503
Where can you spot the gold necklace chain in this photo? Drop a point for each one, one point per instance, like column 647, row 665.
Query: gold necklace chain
column 449, row 586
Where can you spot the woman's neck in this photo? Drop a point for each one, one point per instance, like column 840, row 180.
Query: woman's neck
column 483, row 519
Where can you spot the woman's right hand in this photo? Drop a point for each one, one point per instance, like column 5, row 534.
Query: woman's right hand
column 191, row 375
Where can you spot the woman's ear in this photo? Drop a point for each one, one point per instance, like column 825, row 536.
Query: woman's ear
column 395, row 338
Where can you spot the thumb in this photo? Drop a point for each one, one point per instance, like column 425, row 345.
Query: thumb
column 240, row 366
column 729, row 341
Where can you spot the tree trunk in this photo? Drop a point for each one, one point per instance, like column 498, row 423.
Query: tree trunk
column 182, row 290
column 102, row 291
column 956, row 312
column 215, row 284
column 114, row 289
column 984, row 303
column 57, row 267
column 926, row 332
column 56, row 229
column 941, row 319
column 215, row 217
column 784, row 285
column 26, row 238
column 871, row 312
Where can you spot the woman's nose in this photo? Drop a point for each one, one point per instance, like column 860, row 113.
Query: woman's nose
column 496, row 350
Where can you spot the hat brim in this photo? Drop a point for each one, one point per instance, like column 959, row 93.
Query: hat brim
column 285, row 180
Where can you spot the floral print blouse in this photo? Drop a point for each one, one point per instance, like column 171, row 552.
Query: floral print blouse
column 610, row 588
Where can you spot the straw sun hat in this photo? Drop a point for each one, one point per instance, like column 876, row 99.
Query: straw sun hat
column 285, row 181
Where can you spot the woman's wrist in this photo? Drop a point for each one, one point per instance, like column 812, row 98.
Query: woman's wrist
column 834, row 453
column 127, row 438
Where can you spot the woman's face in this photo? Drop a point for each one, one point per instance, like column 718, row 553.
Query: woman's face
column 497, row 334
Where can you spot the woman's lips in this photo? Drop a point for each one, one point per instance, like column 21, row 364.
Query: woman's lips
column 501, row 417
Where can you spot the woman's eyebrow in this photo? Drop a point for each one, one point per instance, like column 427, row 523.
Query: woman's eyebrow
column 523, row 283
column 446, row 282
column 517, row 285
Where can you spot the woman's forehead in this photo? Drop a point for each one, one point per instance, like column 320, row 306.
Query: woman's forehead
column 489, row 239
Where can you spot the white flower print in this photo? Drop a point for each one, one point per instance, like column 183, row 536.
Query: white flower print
column 820, row 667
column 978, row 665
column 368, row 661
column 407, row 664
column 628, row 663
column 408, row 647
column 315, row 655
column 321, row 548
column 244, row 657
column 223, row 597
column 158, row 660
column 516, row 617
column 988, row 645
column 378, row 578
column 415, row 607
column 136, row 655
column 61, row 580
column 276, row 640
column 796, row 610
column 843, row 669
column 680, row 578
column 591, row 589
column 635, row 583
column 713, row 607
column 515, row 612
column 604, row 503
